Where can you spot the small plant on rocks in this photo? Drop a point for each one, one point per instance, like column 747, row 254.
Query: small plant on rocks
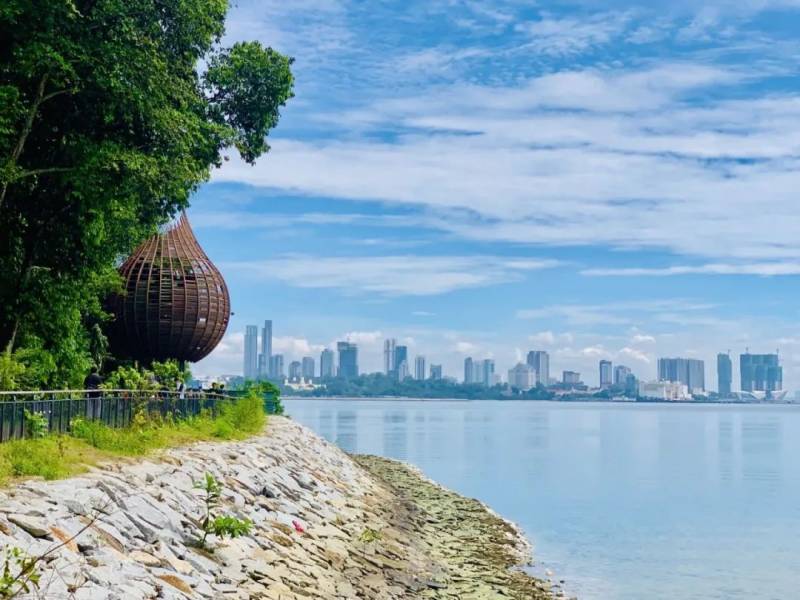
column 219, row 525
column 369, row 536
column 20, row 574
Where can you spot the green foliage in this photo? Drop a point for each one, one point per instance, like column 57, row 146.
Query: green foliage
column 11, row 371
column 20, row 574
column 219, row 525
column 130, row 378
column 265, row 390
column 369, row 536
column 107, row 126
column 39, row 457
column 229, row 526
column 36, row 424
column 243, row 416
column 169, row 373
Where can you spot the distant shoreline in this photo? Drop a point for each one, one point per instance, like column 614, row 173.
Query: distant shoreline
column 576, row 401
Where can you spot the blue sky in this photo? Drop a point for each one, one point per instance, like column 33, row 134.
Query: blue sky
column 597, row 179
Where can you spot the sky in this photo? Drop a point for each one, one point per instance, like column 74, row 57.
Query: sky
column 602, row 180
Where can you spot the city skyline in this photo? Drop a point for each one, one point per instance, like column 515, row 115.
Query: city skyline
column 757, row 372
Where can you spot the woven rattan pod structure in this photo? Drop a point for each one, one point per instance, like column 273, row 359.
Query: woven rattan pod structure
column 175, row 302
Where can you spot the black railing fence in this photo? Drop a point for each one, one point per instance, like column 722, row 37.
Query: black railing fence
column 115, row 408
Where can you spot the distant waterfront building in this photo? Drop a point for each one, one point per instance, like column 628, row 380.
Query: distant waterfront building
column 724, row 374
column 606, row 375
column 402, row 370
column 540, row 361
column 276, row 366
column 348, row 360
column 522, row 377
column 631, row 386
column 266, row 349
column 419, row 368
column 571, row 378
column 251, row 352
column 327, row 363
column 761, row 372
column 295, row 370
column 389, row 364
column 486, row 375
column 688, row 371
column 309, row 368
column 621, row 373
column 436, row 372
column 469, row 370
column 672, row 391
column 400, row 355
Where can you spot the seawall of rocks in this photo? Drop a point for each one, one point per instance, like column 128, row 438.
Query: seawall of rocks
column 325, row 526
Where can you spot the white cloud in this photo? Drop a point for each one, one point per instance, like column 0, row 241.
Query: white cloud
column 640, row 338
column 634, row 354
column 762, row 269
column 392, row 275
column 571, row 35
column 295, row 347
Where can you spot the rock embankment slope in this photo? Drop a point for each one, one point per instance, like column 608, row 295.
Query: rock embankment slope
column 324, row 527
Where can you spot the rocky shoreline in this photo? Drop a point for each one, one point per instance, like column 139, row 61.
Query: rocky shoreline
column 324, row 526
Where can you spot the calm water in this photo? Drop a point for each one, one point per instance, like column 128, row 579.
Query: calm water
column 625, row 502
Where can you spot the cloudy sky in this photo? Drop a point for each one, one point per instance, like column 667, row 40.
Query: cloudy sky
column 607, row 179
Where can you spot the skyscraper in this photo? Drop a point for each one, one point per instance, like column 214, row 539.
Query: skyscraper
column 522, row 376
column 251, row 352
column 621, row 373
column 605, row 373
column 388, row 355
column 308, row 369
column 266, row 349
column 400, row 355
column 469, row 370
column 276, row 366
column 570, row 377
column 724, row 374
column 436, row 372
column 402, row 370
column 295, row 370
column 348, row 360
column 761, row 372
column 327, row 364
column 419, row 368
column 485, row 372
column 688, row 371
column 540, row 361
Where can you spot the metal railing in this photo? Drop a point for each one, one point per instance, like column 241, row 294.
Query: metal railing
column 114, row 408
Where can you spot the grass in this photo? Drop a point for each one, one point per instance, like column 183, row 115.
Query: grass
column 56, row 457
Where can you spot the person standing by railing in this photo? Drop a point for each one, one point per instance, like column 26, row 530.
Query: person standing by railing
column 93, row 382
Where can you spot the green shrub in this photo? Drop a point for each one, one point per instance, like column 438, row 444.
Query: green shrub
column 242, row 416
column 40, row 457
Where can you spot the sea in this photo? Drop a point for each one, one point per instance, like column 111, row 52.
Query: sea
column 623, row 501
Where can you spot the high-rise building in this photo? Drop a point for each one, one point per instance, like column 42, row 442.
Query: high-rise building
column 605, row 373
column 621, row 373
column 266, row 349
column 485, row 372
column 688, row 371
column 436, row 372
column 276, row 366
column 724, row 374
column 540, row 361
column 295, row 370
column 419, row 368
column 571, row 378
column 631, row 385
column 388, row 355
column 348, row 360
column 251, row 352
column 327, row 364
column 402, row 370
column 400, row 355
column 761, row 372
column 469, row 370
column 309, row 368
column 522, row 376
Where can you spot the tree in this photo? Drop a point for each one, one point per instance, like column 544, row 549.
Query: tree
column 107, row 126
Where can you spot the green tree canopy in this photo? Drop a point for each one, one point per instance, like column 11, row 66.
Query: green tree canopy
column 112, row 112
